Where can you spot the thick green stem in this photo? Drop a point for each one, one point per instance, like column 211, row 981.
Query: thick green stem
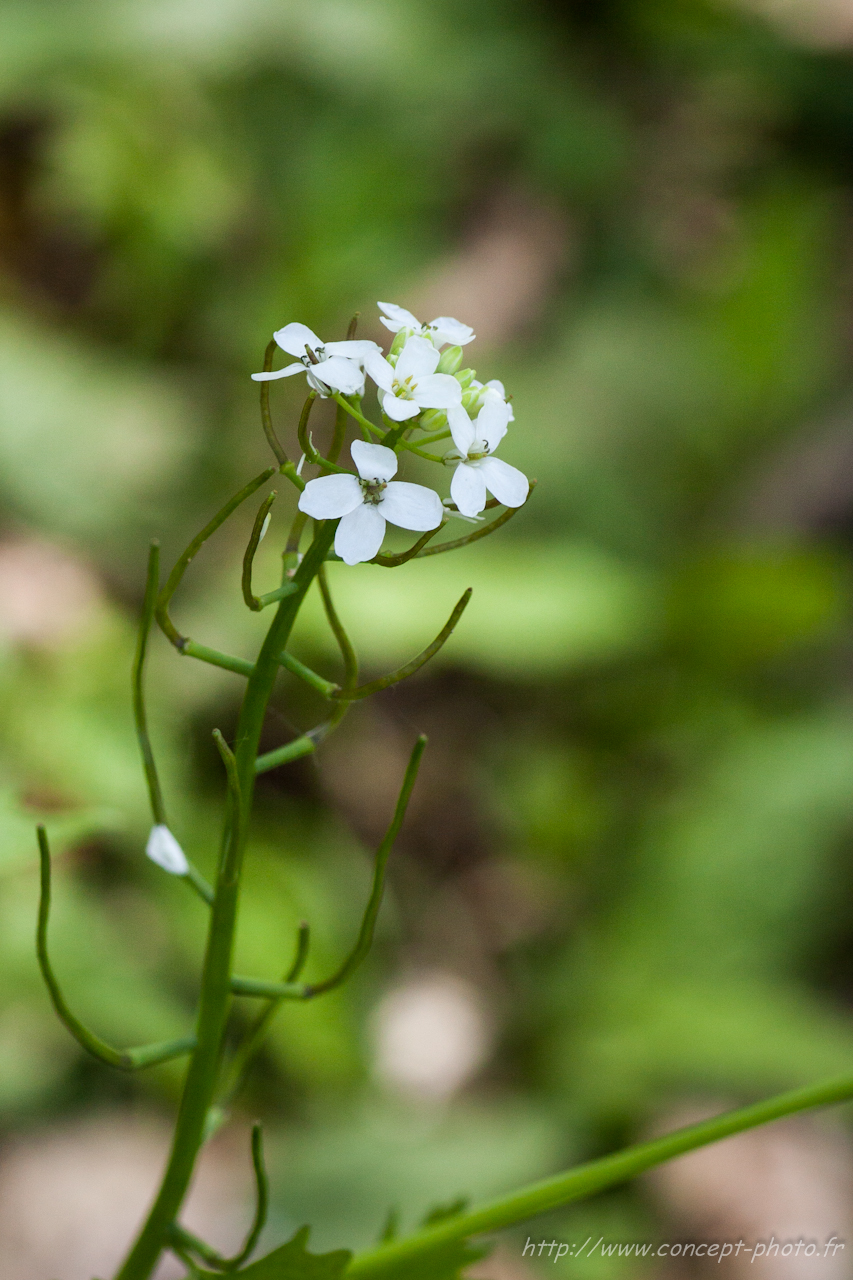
column 201, row 1079
column 587, row 1179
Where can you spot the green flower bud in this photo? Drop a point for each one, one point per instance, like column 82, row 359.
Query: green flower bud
column 465, row 377
column 398, row 344
column 433, row 420
column 450, row 360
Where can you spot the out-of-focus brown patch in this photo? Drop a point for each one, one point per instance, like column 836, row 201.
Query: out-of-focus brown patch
column 46, row 595
column 790, row 1180
column 506, row 266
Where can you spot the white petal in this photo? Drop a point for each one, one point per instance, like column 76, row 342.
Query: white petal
column 352, row 349
column 449, row 330
column 417, row 359
column 411, row 506
column 491, row 422
column 163, row 848
column 461, row 428
column 287, row 372
column 508, row 484
column 468, row 489
column 293, row 337
column 495, row 384
column 373, row 461
column 398, row 317
column 344, row 375
column 399, row 410
column 438, row 391
column 328, row 497
column 379, row 369
column 359, row 535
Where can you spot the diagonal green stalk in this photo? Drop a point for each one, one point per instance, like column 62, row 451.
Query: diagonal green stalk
column 215, row 999
column 394, row 677
column 590, row 1178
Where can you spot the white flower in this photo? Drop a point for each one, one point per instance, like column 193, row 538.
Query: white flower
column 163, row 848
column 366, row 501
column 477, row 471
column 442, row 330
column 492, row 390
column 342, row 362
column 412, row 384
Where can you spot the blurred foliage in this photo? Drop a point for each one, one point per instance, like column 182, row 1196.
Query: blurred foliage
column 634, row 834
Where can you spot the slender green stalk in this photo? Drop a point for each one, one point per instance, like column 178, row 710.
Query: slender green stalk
column 482, row 532
column 184, row 1242
column 147, row 1055
column 327, row 688
column 239, row 666
column 294, row 750
column 215, row 1000
column 588, row 1179
column 152, row 585
column 291, row 990
column 249, row 1048
column 259, row 528
column 266, row 416
column 363, row 422
column 394, row 677
column 394, row 561
column 161, row 611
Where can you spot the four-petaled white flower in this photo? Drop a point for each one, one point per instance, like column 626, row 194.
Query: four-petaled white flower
column 440, row 331
column 339, row 364
column 412, row 384
column 477, row 470
column 364, row 502
column 163, row 848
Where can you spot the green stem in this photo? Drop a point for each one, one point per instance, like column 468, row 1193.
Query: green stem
column 588, row 1179
column 215, row 999
column 158, row 808
column 394, row 677
column 259, row 528
column 146, row 1055
column 266, row 416
column 359, row 417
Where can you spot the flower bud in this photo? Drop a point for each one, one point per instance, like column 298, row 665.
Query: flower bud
column 450, row 360
column 400, row 339
column 433, row 420
column 163, row 848
column 465, row 377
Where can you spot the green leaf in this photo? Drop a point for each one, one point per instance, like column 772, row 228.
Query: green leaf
column 443, row 1211
column 292, row 1261
column 446, row 1262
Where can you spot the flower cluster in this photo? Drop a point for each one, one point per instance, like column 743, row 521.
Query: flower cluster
column 420, row 388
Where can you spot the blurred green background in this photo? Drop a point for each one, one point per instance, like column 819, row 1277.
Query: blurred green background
column 625, row 881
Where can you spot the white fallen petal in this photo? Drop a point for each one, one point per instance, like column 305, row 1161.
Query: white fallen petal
column 397, row 318
column 411, row 506
column 287, row 372
column 163, row 848
column 468, row 489
column 417, row 359
column 509, row 485
column 438, row 391
column 294, row 337
column 329, row 497
column 398, row 409
column 359, row 535
column 461, row 428
column 373, row 461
